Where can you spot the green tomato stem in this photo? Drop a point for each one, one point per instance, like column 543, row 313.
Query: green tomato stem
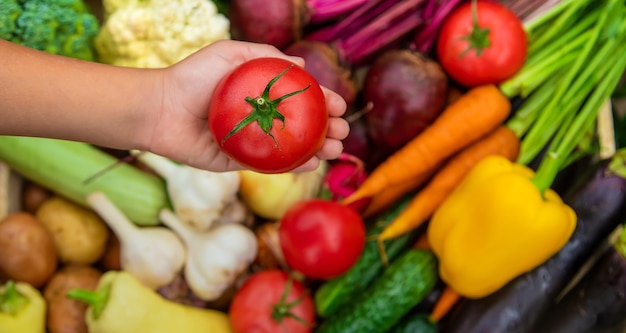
column 479, row 37
column 97, row 299
column 264, row 109
column 11, row 300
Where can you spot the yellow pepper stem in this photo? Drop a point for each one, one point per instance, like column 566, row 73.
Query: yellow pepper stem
column 11, row 301
column 97, row 300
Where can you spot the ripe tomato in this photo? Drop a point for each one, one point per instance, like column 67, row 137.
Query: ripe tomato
column 321, row 239
column 269, row 115
column 268, row 302
column 490, row 50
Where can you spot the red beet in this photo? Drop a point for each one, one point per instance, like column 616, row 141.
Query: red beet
column 407, row 91
column 280, row 22
column 323, row 62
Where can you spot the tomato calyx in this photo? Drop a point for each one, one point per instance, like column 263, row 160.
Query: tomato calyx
column 264, row 109
column 479, row 37
column 282, row 309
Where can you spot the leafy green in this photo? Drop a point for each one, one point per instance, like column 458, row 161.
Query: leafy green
column 64, row 27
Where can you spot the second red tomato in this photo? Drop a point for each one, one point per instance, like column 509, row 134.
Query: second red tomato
column 486, row 48
column 321, row 239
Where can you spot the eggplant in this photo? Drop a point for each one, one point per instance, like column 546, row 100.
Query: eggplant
column 599, row 200
column 597, row 303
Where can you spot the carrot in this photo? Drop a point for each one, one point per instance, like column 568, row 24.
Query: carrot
column 501, row 141
column 474, row 114
column 388, row 196
column 445, row 303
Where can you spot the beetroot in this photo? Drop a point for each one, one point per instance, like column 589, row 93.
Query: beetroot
column 407, row 91
column 323, row 62
column 281, row 22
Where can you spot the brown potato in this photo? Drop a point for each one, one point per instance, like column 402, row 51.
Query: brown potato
column 33, row 195
column 79, row 234
column 111, row 260
column 27, row 251
column 68, row 315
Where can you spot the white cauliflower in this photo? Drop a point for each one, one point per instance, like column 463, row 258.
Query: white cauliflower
column 157, row 33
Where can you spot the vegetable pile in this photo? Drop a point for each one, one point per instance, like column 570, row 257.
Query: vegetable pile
column 482, row 187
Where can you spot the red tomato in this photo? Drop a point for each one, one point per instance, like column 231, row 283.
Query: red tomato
column 256, row 302
column 473, row 64
column 321, row 239
column 274, row 135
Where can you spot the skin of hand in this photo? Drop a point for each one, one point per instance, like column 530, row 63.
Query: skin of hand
column 164, row 110
column 180, row 129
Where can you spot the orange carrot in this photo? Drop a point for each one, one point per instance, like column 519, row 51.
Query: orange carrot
column 388, row 196
column 473, row 115
column 501, row 141
column 445, row 303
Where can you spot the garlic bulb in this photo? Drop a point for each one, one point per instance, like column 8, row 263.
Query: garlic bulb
column 216, row 257
column 154, row 255
column 198, row 196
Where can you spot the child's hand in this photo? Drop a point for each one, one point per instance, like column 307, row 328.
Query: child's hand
column 180, row 129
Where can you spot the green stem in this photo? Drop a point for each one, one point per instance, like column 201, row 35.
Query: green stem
column 554, row 12
column 97, row 299
column 620, row 242
column 282, row 310
column 479, row 37
column 526, row 115
column 563, row 22
column 550, row 166
column 11, row 300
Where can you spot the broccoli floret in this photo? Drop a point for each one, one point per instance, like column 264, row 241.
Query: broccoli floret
column 64, row 27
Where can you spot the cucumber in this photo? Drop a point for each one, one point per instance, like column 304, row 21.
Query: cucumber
column 335, row 292
column 416, row 323
column 390, row 297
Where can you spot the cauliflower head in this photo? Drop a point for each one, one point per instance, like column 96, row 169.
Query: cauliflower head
column 64, row 27
column 157, row 33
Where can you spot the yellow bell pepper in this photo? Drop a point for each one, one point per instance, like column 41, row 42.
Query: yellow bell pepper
column 495, row 226
column 22, row 309
column 121, row 304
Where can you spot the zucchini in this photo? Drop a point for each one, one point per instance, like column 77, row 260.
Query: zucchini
column 63, row 166
column 403, row 285
column 335, row 292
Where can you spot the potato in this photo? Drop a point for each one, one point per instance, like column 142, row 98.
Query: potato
column 27, row 250
column 67, row 315
column 33, row 195
column 79, row 234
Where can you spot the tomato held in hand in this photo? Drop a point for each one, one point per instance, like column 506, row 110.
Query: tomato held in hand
column 269, row 302
column 488, row 47
column 269, row 115
column 321, row 239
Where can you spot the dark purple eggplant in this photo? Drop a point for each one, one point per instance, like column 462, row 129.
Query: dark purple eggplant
column 599, row 200
column 597, row 303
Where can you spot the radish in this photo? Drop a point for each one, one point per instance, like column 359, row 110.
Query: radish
column 283, row 21
column 343, row 178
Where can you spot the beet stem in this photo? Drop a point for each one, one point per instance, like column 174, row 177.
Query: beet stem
column 325, row 10
column 425, row 38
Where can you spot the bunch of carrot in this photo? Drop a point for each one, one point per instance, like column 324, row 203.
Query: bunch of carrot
column 468, row 121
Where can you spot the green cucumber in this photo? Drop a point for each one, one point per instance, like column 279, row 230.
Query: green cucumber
column 405, row 283
column 416, row 323
column 335, row 292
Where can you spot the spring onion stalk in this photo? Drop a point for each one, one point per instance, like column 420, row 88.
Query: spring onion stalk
column 574, row 64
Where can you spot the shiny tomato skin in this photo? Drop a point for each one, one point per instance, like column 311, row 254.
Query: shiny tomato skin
column 321, row 239
column 251, row 308
column 299, row 137
column 504, row 56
